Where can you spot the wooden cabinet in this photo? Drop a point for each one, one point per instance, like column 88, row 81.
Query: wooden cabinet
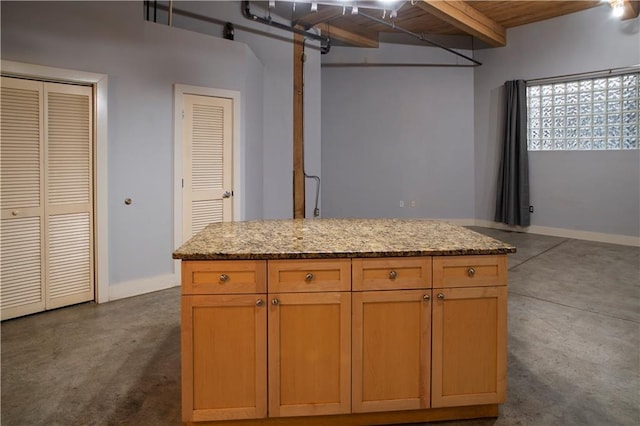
column 302, row 275
column 224, row 277
column 309, row 337
column 392, row 273
column 224, row 340
column 391, row 325
column 391, row 350
column 224, row 357
column 405, row 339
column 309, row 353
column 469, row 340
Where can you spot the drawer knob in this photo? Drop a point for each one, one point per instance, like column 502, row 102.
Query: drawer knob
column 259, row 302
column 471, row 272
column 426, row 297
column 15, row 213
column 308, row 277
column 275, row 301
column 440, row 296
column 224, row 278
column 393, row 275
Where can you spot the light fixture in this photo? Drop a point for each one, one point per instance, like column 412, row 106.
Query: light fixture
column 618, row 7
column 314, row 6
column 272, row 4
column 354, row 9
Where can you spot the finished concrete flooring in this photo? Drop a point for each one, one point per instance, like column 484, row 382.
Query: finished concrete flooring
column 574, row 347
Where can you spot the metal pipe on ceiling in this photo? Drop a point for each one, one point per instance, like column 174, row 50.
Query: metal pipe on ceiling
column 418, row 36
column 387, row 64
column 246, row 12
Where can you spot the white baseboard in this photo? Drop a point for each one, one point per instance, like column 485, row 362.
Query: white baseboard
column 625, row 240
column 459, row 222
column 143, row 286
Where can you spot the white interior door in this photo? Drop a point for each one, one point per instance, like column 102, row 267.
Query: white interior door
column 46, row 190
column 69, row 209
column 207, row 162
column 22, row 245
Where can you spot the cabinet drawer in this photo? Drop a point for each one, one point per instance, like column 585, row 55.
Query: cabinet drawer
column 391, row 273
column 309, row 275
column 223, row 276
column 469, row 271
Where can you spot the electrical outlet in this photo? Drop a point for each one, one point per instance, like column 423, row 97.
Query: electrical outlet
column 401, row 203
column 413, row 203
column 530, row 209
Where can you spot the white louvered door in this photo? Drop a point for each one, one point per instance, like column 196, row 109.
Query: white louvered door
column 22, row 197
column 47, row 196
column 207, row 163
column 69, row 141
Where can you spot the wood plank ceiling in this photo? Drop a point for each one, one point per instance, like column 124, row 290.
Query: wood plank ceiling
column 485, row 20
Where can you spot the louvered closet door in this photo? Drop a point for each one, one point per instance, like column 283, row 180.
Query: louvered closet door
column 46, row 191
column 22, row 198
column 69, row 184
column 207, row 163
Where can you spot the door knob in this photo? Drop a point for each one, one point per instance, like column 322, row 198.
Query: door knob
column 226, row 194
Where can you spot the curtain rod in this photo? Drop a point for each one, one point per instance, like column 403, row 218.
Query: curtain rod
column 581, row 76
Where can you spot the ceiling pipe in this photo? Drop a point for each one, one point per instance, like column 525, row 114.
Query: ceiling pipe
column 418, row 36
column 246, row 12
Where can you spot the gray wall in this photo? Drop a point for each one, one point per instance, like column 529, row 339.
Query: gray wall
column 394, row 133
column 590, row 191
column 143, row 61
column 274, row 49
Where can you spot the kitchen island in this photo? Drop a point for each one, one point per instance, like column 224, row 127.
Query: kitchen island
column 342, row 321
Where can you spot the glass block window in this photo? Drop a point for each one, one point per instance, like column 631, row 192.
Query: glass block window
column 594, row 114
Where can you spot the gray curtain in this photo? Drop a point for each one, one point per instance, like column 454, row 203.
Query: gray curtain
column 512, row 201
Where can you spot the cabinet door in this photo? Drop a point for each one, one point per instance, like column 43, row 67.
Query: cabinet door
column 469, row 346
column 309, row 354
column 224, row 357
column 391, row 350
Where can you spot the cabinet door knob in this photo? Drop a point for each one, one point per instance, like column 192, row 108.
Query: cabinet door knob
column 259, row 302
column 15, row 212
column 274, row 302
column 440, row 296
column 393, row 275
column 471, row 272
column 426, row 297
column 308, row 277
column 224, row 278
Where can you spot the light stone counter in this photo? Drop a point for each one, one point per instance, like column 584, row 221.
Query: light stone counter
column 333, row 238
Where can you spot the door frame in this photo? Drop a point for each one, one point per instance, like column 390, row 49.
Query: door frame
column 100, row 194
column 179, row 90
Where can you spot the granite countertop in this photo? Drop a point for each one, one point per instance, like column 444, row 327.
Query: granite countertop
column 331, row 238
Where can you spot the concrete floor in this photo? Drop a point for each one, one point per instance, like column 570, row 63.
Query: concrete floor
column 574, row 347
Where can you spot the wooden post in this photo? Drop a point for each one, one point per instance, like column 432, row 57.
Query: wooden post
column 298, row 128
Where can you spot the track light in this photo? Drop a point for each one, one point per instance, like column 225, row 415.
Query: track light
column 618, row 8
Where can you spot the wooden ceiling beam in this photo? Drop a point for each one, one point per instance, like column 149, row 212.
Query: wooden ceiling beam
column 464, row 17
column 322, row 15
column 370, row 39
column 631, row 9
